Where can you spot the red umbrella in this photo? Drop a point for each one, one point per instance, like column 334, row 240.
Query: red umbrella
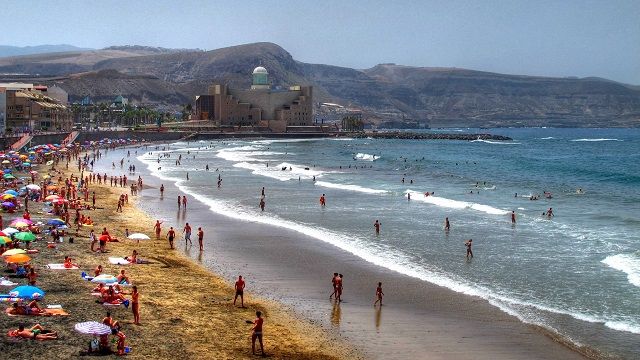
column 104, row 238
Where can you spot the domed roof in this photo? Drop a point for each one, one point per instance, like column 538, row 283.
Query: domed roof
column 260, row 70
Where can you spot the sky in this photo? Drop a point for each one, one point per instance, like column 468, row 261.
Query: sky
column 548, row 38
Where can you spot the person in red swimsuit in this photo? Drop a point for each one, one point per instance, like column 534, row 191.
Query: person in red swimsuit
column 256, row 333
column 240, row 284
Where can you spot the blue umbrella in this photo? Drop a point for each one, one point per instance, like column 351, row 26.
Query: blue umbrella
column 27, row 292
column 7, row 171
column 55, row 222
column 12, row 192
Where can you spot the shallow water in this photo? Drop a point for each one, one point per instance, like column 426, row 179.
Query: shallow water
column 571, row 273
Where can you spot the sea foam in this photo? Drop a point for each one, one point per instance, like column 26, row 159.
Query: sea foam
column 627, row 263
column 350, row 187
column 366, row 157
column 594, row 140
column 455, row 204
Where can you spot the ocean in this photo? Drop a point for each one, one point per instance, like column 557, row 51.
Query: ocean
column 577, row 273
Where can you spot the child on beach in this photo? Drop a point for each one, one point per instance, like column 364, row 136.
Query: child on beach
column 379, row 294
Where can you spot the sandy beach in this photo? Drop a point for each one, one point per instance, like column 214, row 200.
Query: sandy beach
column 186, row 310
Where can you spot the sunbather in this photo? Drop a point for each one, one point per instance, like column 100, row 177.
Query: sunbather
column 122, row 278
column 30, row 309
column 36, row 332
column 68, row 264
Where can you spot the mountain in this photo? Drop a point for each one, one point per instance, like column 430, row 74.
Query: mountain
column 385, row 93
column 6, row 50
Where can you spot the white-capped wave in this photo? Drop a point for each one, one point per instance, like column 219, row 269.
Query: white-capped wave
column 240, row 153
column 496, row 142
column 350, row 187
column 277, row 172
column 595, row 140
column 547, row 138
column 366, row 157
column 455, row 204
column 627, row 263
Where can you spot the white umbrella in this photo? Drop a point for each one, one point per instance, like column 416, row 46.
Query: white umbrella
column 138, row 236
column 33, row 187
column 93, row 328
column 10, row 230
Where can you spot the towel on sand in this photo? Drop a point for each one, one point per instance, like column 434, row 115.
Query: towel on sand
column 60, row 267
column 118, row 261
column 47, row 312
column 4, row 282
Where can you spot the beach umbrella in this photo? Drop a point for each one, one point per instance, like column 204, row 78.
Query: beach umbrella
column 59, row 201
column 17, row 259
column 10, row 230
column 105, row 279
column 104, row 238
column 27, row 292
column 92, row 328
column 56, row 222
column 138, row 236
column 6, row 171
column 11, row 192
column 4, row 240
column 33, row 187
column 24, row 236
column 26, row 164
column 50, row 162
column 7, row 196
column 52, row 197
column 6, row 162
column 20, row 222
column 8, row 204
column 14, row 252
column 8, row 177
column 3, row 234
column 33, row 172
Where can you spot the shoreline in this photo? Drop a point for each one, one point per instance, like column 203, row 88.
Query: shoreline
column 186, row 310
column 497, row 328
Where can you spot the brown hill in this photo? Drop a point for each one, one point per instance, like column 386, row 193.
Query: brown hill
column 440, row 96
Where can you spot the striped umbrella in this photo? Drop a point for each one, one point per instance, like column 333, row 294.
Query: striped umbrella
column 4, row 240
column 14, row 252
column 92, row 328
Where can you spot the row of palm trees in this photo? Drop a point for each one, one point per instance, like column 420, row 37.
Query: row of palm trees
column 125, row 115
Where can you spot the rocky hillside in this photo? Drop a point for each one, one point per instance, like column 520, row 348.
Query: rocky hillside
column 439, row 96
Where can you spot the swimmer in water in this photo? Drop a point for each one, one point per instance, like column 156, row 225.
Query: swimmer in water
column 468, row 245
column 513, row 217
column 447, row 226
column 377, row 226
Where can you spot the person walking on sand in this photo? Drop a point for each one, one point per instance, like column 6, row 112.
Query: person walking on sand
column 135, row 305
column 179, row 201
column 200, row 237
column 240, row 284
column 256, row 333
column 379, row 294
column 468, row 245
column 187, row 234
column 377, row 226
column 447, row 226
column 333, row 284
column 184, row 202
column 513, row 217
column 171, row 234
column 158, row 228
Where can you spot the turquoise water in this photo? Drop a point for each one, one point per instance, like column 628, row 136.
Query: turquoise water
column 575, row 273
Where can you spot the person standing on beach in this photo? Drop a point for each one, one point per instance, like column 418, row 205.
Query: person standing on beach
column 135, row 305
column 447, row 226
column 158, row 228
column 187, row 234
column 333, row 284
column 240, row 284
column 468, row 245
column 513, row 217
column 161, row 190
column 323, row 201
column 200, row 237
column 179, row 201
column 256, row 333
column 379, row 294
column 184, row 202
column 377, row 226
column 171, row 234
column 339, row 288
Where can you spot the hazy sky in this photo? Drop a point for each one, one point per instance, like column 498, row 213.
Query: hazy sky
column 552, row 38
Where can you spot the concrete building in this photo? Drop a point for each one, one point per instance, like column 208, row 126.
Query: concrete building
column 24, row 108
column 261, row 106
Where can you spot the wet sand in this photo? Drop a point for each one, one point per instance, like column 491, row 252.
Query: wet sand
column 418, row 320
